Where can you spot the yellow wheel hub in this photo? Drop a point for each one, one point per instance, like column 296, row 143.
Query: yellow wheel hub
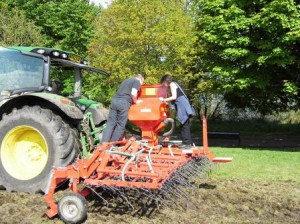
column 24, row 152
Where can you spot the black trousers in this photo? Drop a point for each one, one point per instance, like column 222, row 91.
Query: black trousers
column 117, row 119
column 186, row 133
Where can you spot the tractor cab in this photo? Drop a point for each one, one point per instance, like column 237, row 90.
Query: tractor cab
column 48, row 70
column 55, row 70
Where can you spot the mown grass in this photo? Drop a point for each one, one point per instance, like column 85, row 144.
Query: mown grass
column 259, row 164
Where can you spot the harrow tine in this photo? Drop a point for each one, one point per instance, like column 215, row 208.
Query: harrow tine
column 123, row 195
column 114, row 191
column 154, row 196
column 108, row 190
column 189, row 173
column 185, row 173
column 149, row 197
column 181, row 180
column 184, row 198
column 142, row 195
column 180, row 192
column 199, row 165
column 96, row 193
column 169, row 199
column 174, row 192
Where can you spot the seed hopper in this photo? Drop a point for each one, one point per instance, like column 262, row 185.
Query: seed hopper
column 150, row 163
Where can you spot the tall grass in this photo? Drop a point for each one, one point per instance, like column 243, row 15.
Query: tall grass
column 259, row 164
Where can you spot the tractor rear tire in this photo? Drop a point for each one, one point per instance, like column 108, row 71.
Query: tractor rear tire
column 72, row 208
column 32, row 141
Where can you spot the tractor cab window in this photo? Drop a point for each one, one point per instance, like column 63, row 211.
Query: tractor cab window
column 73, row 77
column 18, row 71
column 62, row 80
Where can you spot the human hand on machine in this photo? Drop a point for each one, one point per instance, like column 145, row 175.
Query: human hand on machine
column 162, row 99
column 139, row 101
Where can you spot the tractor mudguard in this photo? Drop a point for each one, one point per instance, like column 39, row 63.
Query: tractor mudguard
column 63, row 104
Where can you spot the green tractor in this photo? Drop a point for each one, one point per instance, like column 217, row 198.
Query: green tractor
column 42, row 124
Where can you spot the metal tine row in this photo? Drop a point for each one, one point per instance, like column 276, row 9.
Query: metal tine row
column 175, row 191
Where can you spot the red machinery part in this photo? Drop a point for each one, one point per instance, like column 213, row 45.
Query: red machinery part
column 151, row 113
column 131, row 164
column 143, row 164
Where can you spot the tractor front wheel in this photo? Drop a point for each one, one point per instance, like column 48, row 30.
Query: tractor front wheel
column 32, row 141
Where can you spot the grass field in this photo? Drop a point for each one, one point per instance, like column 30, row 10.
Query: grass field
column 259, row 164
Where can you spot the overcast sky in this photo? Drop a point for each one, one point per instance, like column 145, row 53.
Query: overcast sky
column 104, row 3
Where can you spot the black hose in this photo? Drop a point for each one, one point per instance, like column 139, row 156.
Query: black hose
column 171, row 121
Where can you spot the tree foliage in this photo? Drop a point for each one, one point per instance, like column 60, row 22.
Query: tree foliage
column 140, row 36
column 245, row 53
column 15, row 29
column 66, row 24
column 249, row 52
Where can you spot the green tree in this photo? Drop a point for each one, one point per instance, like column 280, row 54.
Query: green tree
column 248, row 51
column 66, row 24
column 15, row 29
column 140, row 36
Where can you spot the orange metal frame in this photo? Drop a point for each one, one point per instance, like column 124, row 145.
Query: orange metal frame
column 112, row 167
column 130, row 163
